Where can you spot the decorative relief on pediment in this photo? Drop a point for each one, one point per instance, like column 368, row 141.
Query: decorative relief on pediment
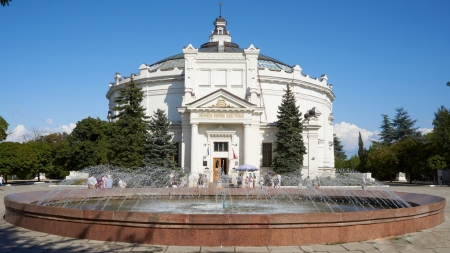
column 221, row 115
column 207, row 56
column 221, row 103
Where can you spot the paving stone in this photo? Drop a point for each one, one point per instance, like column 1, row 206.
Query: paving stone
column 183, row 249
column 358, row 246
column 218, row 249
column 252, row 249
column 147, row 247
column 442, row 250
column 417, row 250
column 27, row 251
column 307, row 248
column 284, row 249
column 329, row 248
column 112, row 247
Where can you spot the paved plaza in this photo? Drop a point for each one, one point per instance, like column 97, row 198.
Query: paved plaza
column 15, row 239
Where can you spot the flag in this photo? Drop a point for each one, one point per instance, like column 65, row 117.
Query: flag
column 234, row 155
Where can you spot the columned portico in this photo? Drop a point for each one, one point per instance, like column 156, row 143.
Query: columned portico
column 194, row 143
column 247, row 142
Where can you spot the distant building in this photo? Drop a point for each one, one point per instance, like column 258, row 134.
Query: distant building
column 222, row 102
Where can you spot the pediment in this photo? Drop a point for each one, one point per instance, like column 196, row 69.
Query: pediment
column 220, row 99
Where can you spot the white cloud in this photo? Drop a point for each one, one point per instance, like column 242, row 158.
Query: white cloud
column 348, row 134
column 20, row 133
column 425, row 130
column 49, row 122
column 17, row 134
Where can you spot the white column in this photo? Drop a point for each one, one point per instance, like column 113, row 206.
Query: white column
column 247, row 144
column 194, row 137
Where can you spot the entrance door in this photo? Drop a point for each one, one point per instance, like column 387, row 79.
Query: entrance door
column 220, row 166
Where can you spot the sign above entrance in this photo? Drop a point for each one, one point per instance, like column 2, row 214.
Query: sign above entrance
column 222, row 115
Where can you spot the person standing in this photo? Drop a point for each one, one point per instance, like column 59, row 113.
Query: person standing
column 308, row 183
column 254, row 180
column 91, row 182
column 247, row 180
column 122, row 184
column 279, row 180
column 239, row 181
column 109, row 182
column 251, row 180
column 1, row 182
column 261, row 181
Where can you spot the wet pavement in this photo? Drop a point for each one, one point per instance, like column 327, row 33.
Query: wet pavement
column 16, row 239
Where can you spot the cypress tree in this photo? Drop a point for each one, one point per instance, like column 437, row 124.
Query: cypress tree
column 289, row 147
column 159, row 148
column 127, row 143
column 362, row 153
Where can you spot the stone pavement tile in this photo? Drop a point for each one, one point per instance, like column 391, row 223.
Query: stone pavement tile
column 307, row 248
column 442, row 250
column 112, row 247
column 394, row 248
column 284, row 249
column 253, row 249
column 74, row 240
column 183, row 249
column 83, row 248
column 27, row 251
column 34, row 234
column 358, row 246
column 52, row 246
column 218, row 249
column 149, row 248
column 417, row 250
column 381, row 251
column 329, row 248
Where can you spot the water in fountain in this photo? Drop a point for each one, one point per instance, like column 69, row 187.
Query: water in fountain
column 148, row 191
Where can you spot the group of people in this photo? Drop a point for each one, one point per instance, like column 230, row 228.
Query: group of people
column 104, row 182
column 309, row 183
column 202, row 181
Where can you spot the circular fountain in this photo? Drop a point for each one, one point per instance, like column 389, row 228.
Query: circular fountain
column 224, row 216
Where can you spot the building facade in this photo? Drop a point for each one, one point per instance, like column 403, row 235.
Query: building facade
column 222, row 102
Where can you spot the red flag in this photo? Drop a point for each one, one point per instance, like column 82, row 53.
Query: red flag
column 234, row 155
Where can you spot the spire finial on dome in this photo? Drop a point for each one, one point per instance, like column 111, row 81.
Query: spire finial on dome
column 220, row 6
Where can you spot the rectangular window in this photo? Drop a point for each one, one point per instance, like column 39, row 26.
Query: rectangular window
column 220, row 146
column 236, row 78
column 266, row 154
column 204, row 77
column 221, row 78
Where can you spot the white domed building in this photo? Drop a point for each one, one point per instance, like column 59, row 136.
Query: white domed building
column 222, row 102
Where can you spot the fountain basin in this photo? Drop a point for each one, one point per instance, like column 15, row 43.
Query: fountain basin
column 275, row 229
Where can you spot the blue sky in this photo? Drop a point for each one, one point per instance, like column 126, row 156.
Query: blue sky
column 57, row 57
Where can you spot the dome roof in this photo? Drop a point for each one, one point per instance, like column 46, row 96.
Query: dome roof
column 177, row 61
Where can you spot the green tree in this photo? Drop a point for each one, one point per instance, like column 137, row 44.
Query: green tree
column 61, row 154
column 382, row 160
column 441, row 132
column 127, row 143
column 339, row 155
column 387, row 130
column 404, row 125
column 353, row 162
column 44, row 158
column 159, row 148
column 3, row 128
column 362, row 154
column 289, row 146
column 16, row 159
column 88, row 143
